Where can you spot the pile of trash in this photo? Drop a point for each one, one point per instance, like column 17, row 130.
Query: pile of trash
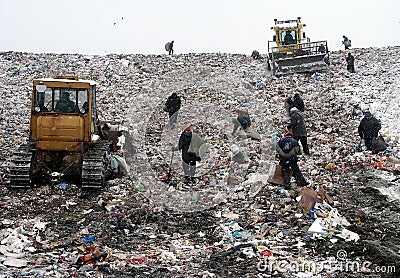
column 234, row 220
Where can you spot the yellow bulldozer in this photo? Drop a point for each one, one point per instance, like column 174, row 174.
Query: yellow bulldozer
column 66, row 139
column 290, row 51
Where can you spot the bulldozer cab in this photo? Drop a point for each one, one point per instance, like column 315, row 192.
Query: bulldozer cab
column 288, row 32
column 291, row 51
column 63, row 113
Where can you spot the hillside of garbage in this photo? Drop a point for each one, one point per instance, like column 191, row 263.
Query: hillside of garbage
column 233, row 221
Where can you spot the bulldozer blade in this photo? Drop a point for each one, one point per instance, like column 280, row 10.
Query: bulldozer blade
column 300, row 64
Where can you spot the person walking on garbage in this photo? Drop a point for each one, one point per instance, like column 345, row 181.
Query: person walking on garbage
column 350, row 62
column 255, row 55
column 190, row 144
column 288, row 149
column 65, row 104
column 298, row 102
column 171, row 48
column 172, row 106
column 297, row 126
column 369, row 129
column 346, row 42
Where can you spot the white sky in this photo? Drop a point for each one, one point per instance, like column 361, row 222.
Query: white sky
column 228, row 26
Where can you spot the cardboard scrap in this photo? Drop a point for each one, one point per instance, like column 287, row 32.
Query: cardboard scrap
column 308, row 199
column 323, row 194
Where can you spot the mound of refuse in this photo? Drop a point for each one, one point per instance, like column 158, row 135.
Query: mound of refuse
column 235, row 219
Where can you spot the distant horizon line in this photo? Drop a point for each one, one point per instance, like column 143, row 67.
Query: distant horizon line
column 176, row 54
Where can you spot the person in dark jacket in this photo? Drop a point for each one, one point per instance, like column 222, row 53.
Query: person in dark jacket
column 172, row 106
column 350, row 62
column 188, row 158
column 322, row 48
column 255, row 55
column 171, row 48
column 369, row 129
column 288, row 149
column 243, row 120
column 65, row 104
column 297, row 125
column 298, row 102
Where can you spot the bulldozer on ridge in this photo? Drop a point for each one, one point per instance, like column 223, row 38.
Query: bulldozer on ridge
column 66, row 138
column 294, row 53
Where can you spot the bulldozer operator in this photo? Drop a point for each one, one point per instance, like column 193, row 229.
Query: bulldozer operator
column 288, row 38
column 65, row 104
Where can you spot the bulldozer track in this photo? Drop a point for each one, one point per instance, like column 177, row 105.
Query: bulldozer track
column 94, row 165
column 20, row 167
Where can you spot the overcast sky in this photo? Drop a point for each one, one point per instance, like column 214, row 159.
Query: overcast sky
column 228, row 26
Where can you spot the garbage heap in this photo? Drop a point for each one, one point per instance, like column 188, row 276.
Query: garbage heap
column 234, row 220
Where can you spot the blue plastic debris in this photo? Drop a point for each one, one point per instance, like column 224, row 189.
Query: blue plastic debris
column 89, row 239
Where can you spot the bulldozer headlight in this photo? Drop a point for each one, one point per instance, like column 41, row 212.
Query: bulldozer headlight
column 41, row 88
column 37, row 108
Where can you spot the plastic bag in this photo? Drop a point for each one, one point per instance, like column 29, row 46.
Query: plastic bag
column 113, row 164
column 275, row 174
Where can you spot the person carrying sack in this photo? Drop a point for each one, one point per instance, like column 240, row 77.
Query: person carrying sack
column 288, row 149
column 369, row 129
column 193, row 148
column 172, row 106
column 346, row 42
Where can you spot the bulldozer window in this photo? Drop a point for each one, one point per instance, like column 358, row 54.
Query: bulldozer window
column 43, row 100
column 83, row 103
column 289, row 37
column 66, row 100
column 93, row 97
